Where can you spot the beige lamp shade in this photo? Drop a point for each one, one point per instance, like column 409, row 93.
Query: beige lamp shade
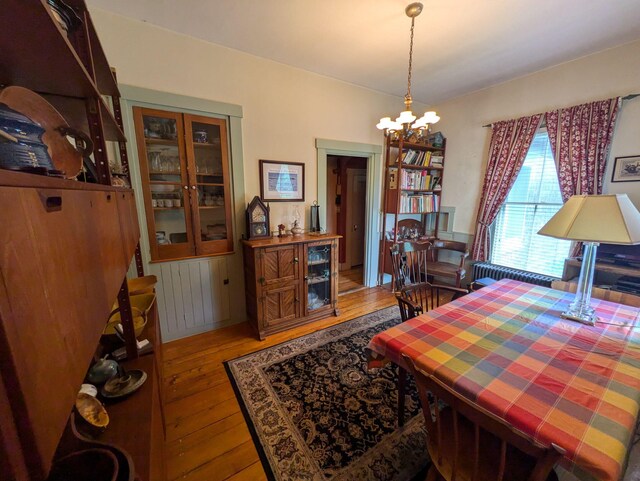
column 611, row 219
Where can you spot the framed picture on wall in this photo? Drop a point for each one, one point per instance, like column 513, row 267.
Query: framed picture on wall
column 626, row 169
column 281, row 181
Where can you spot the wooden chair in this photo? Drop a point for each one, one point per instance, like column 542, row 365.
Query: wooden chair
column 439, row 267
column 409, row 263
column 414, row 300
column 468, row 443
column 604, row 294
column 420, row 298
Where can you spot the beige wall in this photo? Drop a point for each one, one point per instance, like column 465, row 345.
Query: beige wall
column 285, row 109
column 603, row 75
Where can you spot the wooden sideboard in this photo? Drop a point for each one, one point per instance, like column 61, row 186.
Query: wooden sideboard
column 290, row 281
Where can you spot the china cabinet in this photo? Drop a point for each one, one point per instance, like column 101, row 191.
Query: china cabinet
column 184, row 164
column 290, row 281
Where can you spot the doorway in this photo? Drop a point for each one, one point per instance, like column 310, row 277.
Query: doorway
column 346, row 215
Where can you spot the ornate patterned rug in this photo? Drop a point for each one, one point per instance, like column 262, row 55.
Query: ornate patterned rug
column 316, row 413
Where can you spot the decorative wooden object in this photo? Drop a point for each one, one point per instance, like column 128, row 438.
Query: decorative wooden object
column 258, row 224
column 186, row 183
column 290, row 281
column 412, row 190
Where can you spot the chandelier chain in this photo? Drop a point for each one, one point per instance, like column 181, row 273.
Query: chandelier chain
column 408, row 97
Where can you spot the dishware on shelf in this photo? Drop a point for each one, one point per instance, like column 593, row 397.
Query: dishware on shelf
column 200, row 136
column 92, row 413
column 21, row 144
column 92, row 464
column 103, row 370
column 89, row 389
column 142, row 285
column 177, row 202
column 122, row 386
column 140, row 307
column 65, row 156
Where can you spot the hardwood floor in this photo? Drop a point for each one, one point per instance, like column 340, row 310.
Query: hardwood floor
column 350, row 280
column 207, row 438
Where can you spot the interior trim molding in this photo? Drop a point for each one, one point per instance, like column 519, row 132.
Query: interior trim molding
column 177, row 101
column 373, row 153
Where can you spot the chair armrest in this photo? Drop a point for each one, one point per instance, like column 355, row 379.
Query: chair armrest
column 462, row 258
column 413, row 308
column 457, row 291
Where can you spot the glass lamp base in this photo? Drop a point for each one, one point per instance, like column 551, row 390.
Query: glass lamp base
column 583, row 314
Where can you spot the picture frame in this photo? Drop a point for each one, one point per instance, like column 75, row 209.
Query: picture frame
column 626, row 169
column 281, row 181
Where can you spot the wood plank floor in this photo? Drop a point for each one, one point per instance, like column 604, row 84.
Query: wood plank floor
column 207, row 438
column 351, row 279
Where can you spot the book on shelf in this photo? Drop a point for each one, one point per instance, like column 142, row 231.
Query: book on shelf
column 419, row 203
column 437, row 160
column 415, row 180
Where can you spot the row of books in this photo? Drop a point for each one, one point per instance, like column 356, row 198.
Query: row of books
column 421, row 158
column 419, row 180
column 419, row 203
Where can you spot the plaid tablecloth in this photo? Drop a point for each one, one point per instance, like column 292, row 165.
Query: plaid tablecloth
column 506, row 348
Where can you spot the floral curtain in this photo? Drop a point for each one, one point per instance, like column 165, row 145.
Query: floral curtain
column 580, row 138
column 510, row 142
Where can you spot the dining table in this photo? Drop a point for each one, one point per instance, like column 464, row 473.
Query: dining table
column 507, row 348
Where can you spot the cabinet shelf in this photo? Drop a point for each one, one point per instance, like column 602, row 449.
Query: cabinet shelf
column 411, row 145
column 155, row 172
column 436, row 192
column 153, row 141
column 419, row 167
column 211, row 207
column 317, row 263
column 205, row 144
column 317, row 280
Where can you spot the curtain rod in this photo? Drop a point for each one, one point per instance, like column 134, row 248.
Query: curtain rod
column 626, row 97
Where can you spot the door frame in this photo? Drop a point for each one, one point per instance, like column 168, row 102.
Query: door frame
column 373, row 154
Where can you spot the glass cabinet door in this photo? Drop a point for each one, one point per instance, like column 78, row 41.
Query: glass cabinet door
column 207, row 150
column 319, row 279
column 166, row 191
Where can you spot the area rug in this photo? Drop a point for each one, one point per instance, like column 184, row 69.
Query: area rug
column 316, row 413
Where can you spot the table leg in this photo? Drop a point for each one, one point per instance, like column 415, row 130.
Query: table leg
column 402, row 380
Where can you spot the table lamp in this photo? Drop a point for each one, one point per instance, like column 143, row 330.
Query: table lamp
column 592, row 219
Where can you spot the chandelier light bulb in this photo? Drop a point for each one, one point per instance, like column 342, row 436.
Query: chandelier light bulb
column 385, row 123
column 430, row 118
column 406, row 117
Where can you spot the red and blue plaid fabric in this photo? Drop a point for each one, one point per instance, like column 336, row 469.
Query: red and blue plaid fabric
column 506, row 348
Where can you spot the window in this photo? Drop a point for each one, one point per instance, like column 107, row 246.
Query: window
column 533, row 200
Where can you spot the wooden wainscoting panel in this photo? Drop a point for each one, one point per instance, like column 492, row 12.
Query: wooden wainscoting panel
column 192, row 295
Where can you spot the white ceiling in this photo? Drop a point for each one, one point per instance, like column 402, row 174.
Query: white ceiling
column 460, row 45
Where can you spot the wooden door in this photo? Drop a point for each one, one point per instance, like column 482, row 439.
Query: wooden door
column 210, row 183
column 356, row 215
column 278, row 265
column 165, row 183
column 280, row 304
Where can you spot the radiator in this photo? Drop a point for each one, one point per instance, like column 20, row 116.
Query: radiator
column 485, row 269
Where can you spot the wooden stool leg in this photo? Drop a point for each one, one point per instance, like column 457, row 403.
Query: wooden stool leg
column 402, row 380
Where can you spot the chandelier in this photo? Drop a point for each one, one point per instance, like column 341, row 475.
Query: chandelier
column 406, row 125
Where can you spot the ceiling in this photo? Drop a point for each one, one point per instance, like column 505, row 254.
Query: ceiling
column 460, row 45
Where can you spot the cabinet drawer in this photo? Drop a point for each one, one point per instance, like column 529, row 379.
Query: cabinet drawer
column 278, row 264
column 280, row 305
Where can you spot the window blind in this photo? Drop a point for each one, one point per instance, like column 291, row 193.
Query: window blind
column 531, row 202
